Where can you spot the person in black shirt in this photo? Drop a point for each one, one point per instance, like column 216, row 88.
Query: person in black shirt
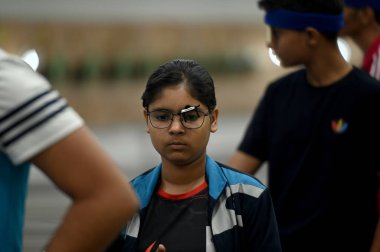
column 315, row 128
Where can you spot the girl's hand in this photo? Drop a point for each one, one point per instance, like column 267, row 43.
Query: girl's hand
column 161, row 248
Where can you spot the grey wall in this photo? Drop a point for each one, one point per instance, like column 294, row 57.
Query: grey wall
column 132, row 10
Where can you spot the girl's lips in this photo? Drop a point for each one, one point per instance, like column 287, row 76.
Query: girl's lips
column 177, row 145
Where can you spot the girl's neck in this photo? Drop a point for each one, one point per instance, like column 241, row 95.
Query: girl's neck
column 181, row 179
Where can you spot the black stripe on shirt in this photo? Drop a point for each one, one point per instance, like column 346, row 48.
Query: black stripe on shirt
column 23, row 105
column 32, row 127
column 31, row 114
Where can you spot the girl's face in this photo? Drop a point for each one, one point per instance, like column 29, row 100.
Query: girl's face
column 289, row 46
column 176, row 144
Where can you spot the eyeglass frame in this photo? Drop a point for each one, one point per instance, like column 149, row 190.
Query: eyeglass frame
column 180, row 114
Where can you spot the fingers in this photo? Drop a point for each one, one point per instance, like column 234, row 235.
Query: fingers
column 161, row 248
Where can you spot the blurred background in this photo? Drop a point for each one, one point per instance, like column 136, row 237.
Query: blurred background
column 99, row 54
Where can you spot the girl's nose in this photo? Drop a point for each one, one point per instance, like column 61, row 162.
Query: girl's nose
column 176, row 125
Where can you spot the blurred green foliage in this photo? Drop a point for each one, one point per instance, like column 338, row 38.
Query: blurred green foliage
column 93, row 67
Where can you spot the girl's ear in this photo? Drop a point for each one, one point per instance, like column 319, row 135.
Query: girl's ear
column 214, row 120
column 146, row 121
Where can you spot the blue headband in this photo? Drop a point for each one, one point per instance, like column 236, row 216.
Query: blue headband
column 300, row 21
column 375, row 4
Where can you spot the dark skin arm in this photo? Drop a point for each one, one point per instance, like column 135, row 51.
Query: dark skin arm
column 102, row 199
column 244, row 162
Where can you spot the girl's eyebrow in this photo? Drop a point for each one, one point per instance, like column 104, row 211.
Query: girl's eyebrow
column 185, row 109
column 160, row 108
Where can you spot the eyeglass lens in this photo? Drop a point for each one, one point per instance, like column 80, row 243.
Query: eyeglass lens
column 189, row 118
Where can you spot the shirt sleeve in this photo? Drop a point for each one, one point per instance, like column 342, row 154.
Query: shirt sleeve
column 33, row 116
column 254, row 140
column 261, row 225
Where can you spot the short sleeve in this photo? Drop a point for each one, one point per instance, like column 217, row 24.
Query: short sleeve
column 254, row 139
column 261, row 225
column 33, row 116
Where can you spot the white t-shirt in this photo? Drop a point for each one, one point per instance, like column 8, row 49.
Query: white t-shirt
column 33, row 116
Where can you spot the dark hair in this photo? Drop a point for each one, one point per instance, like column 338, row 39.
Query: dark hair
column 332, row 7
column 175, row 72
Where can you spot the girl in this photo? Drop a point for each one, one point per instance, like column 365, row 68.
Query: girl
column 189, row 202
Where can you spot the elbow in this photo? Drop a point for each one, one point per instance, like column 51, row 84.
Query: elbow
column 134, row 203
column 128, row 204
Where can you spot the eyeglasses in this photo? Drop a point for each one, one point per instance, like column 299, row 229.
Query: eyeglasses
column 191, row 117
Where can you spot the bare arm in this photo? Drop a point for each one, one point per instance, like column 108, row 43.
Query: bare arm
column 245, row 162
column 102, row 199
